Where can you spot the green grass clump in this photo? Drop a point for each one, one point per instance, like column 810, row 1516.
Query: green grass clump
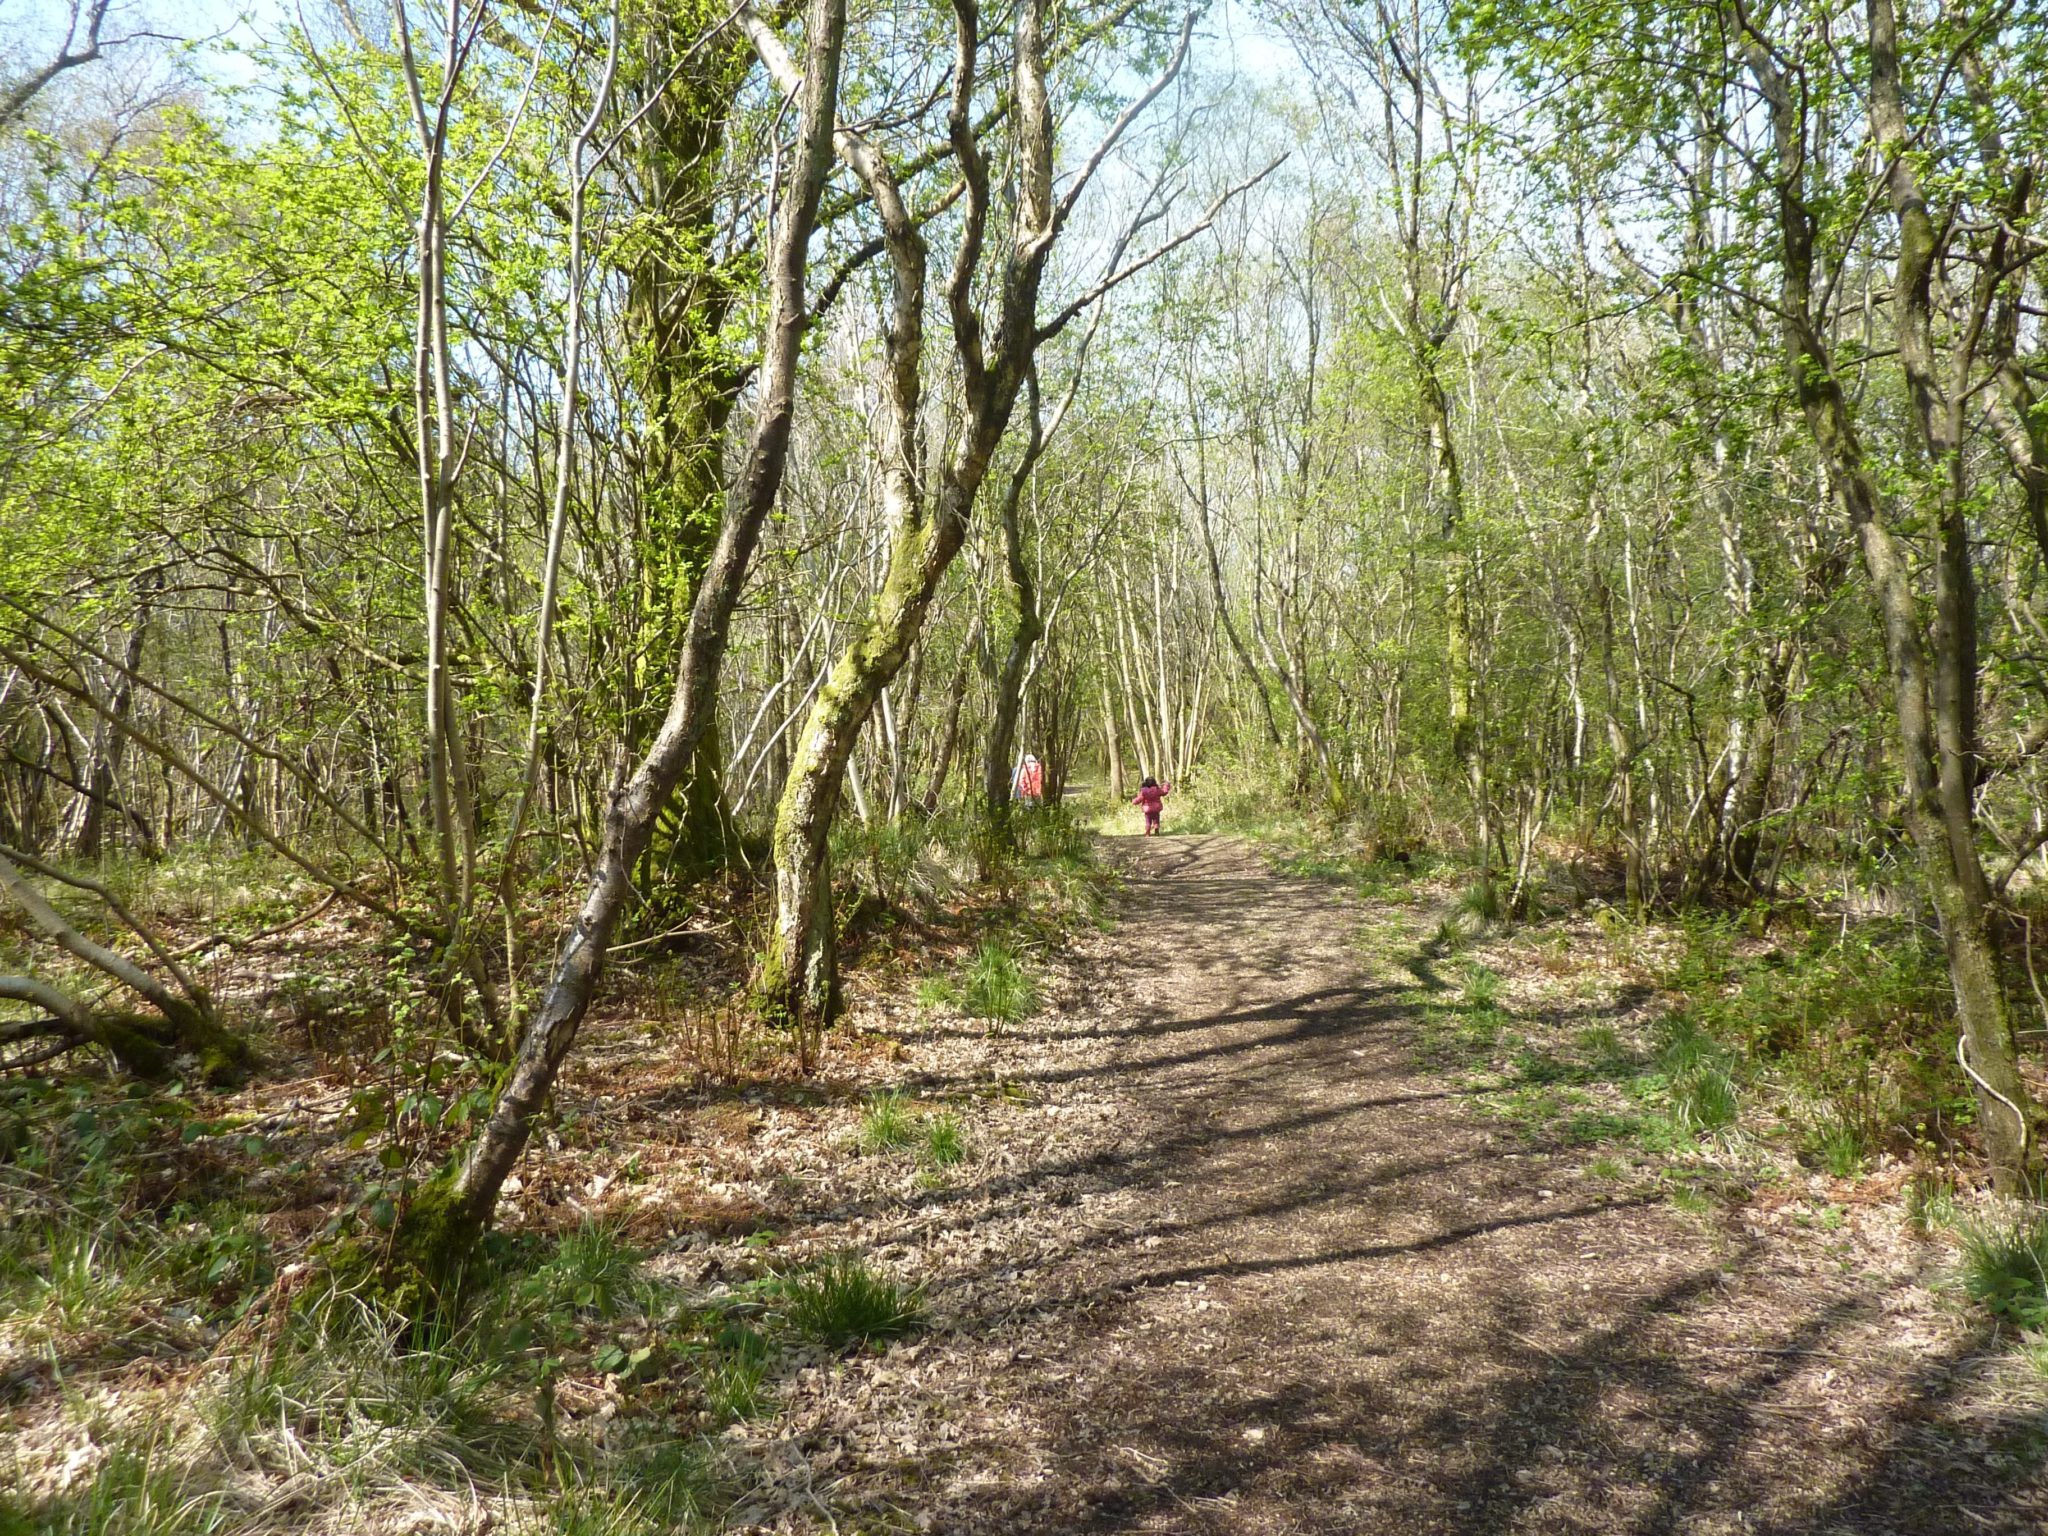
column 1596, row 1127
column 1691, row 1200
column 1839, row 1143
column 1605, row 1052
column 2005, row 1267
column 841, row 1303
column 1481, row 986
column 591, row 1271
column 944, row 1145
column 1482, row 900
column 1456, row 1037
column 1055, row 834
column 733, row 1373
column 886, row 1122
column 996, row 986
column 1930, row 1204
column 137, row 1490
column 1699, row 1077
column 1703, row 1099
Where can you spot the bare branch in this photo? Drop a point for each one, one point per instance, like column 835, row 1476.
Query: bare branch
column 1065, row 317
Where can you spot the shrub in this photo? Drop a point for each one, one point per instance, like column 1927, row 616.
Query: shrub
column 841, row 1303
column 886, row 1123
column 2005, row 1266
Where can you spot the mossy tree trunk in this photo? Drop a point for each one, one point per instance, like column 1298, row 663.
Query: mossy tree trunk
column 1932, row 672
column 679, row 297
column 927, row 506
column 1027, row 629
column 438, row 1229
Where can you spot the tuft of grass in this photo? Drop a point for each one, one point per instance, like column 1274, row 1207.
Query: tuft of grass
column 137, row 1490
column 1455, row 1038
column 1481, row 986
column 2005, row 1266
column 1839, row 1143
column 592, row 1271
column 1703, row 1099
column 1692, row 1200
column 660, row 1487
column 1596, row 1127
column 1482, row 900
column 886, row 1122
column 1605, row 1051
column 843, row 1304
column 734, row 1372
column 2033, row 1353
column 944, row 1144
column 1700, row 1079
column 1930, row 1204
column 1056, row 834
column 996, row 986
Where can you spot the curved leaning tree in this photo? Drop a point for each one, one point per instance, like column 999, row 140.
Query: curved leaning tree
column 442, row 1222
column 928, row 497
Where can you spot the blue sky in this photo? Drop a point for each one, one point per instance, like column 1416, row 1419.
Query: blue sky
column 1233, row 38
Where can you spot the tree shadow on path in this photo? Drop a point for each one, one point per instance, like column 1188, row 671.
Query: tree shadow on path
column 1337, row 1300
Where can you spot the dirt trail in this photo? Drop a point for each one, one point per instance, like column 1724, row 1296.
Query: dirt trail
column 1323, row 1294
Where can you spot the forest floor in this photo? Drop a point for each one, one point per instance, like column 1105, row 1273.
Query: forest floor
column 1288, row 1210
column 1279, row 1274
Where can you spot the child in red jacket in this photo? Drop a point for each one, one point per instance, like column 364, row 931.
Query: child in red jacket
column 1150, row 798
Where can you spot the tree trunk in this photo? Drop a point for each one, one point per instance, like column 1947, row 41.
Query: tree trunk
column 949, row 735
column 190, row 1021
column 798, row 981
column 1112, row 744
column 1931, row 719
column 1029, row 630
column 442, row 1222
column 102, row 778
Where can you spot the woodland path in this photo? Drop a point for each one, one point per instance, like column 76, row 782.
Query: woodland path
column 1327, row 1295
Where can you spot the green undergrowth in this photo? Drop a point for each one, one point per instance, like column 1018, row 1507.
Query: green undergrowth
column 926, row 868
column 893, row 1122
column 1046, row 884
column 994, row 985
column 1587, row 1087
column 1837, row 1046
column 575, row 1391
column 1744, row 1061
column 1850, row 1033
column 178, row 1360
